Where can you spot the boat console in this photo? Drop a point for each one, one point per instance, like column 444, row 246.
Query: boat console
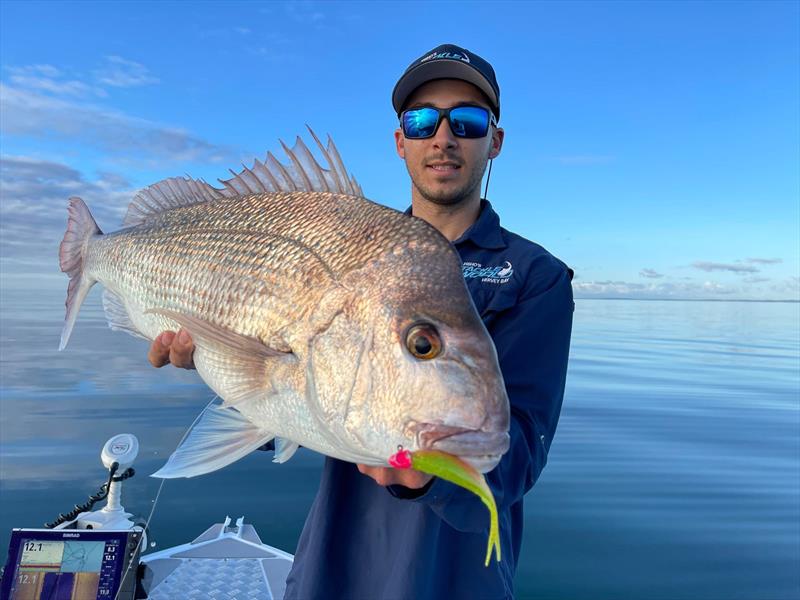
column 95, row 555
column 71, row 564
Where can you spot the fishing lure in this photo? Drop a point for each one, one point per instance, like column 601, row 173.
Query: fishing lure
column 458, row 472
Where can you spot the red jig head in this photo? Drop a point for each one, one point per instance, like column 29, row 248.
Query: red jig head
column 401, row 459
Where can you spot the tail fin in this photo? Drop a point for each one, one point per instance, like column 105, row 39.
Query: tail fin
column 80, row 228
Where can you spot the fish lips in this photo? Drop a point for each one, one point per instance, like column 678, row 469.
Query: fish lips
column 482, row 449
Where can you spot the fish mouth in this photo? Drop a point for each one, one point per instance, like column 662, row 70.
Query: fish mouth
column 482, row 449
column 474, row 443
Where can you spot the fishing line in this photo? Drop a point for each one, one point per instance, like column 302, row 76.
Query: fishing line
column 158, row 495
column 486, row 189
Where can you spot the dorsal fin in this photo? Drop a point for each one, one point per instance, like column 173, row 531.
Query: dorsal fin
column 303, row 173
column 167, row 194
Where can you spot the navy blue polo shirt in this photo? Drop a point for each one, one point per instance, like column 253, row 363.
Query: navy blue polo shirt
column 365, row 541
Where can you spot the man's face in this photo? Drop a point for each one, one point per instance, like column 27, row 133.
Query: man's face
column 446, row 169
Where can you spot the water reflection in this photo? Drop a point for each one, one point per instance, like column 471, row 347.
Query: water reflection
column 674, row 473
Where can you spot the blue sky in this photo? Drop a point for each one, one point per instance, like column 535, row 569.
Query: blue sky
column 652, row 146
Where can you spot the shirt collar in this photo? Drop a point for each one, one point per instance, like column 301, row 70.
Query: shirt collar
column 485, row 232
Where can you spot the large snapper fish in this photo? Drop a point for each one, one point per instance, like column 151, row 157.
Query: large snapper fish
column 321, row 319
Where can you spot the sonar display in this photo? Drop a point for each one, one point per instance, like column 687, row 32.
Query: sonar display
column 66, row 569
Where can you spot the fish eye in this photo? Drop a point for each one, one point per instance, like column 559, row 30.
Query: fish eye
column 423, row 341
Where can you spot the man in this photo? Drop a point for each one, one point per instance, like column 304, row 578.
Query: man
column 401, row 533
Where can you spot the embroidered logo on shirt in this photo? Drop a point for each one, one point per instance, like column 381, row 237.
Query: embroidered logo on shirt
column 501, row 274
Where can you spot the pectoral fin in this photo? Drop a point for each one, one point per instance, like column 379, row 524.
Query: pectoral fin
column 244, row 360
column 242, row 347
column 284, row 450
column 117, row 314
column 221, row 437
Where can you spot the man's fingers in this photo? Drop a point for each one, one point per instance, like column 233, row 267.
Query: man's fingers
column 389, row 476
column 181, row 350
column 170, row 347
column 159, row 349
column 380, row 475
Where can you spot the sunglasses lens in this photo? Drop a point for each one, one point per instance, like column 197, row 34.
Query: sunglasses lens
column 420, row 122
column 469, row 121
column 465, row 122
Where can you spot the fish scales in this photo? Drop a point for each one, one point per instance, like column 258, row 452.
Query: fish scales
column 266, row 250
column 318, row 316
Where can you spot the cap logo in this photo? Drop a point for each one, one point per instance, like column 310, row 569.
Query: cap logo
column 462, row 56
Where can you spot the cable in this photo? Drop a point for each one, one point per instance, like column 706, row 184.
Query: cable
column 486, row 189
column 94, row 498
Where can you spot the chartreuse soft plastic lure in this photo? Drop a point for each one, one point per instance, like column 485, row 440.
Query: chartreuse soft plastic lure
column 454, row 470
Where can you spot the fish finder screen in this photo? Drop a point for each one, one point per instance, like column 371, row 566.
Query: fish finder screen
column 66, row 569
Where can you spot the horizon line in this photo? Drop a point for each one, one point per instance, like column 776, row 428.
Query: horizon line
column 791, row 301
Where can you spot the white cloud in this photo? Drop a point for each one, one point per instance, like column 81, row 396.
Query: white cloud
column 59, row 88
column 737, row 267
column 40, row 101
column 714, row 288
column 49, row 79
column 789, row 286
column 650, row 273
column 765, row 261
column 121, row 72
column 33, row 212
column 116, row 72
column 673, row 289
column 44, row 70
column 26, row 113
column 603, row 288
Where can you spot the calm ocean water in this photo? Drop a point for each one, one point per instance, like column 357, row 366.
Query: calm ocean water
column 675, row 472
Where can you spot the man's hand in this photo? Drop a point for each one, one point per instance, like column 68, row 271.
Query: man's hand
column 169, row 348
column 389, row 476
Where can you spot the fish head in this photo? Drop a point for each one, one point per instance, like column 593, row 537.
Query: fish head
column 414, row 366
column 449, row 389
